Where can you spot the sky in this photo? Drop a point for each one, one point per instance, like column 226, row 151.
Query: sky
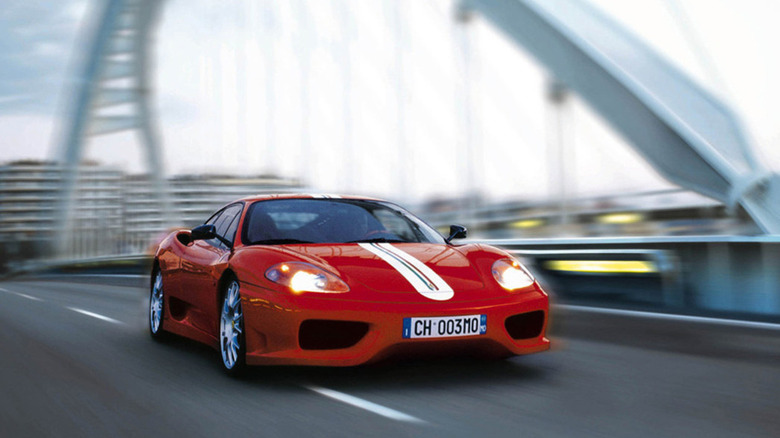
column 399, row 100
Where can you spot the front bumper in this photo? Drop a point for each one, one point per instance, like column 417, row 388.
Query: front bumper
column 272, row 322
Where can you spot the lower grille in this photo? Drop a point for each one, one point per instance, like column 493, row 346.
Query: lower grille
column 525, row 325
column 320, row 334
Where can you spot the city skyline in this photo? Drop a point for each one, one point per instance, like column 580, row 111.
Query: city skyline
column 204, row 110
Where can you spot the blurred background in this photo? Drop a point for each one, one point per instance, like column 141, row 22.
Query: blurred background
column 627, row 152
column 640, row 132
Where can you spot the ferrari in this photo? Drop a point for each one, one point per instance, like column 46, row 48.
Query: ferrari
column 339, row 281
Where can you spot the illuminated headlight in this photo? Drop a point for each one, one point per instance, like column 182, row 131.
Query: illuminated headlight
column 511, row 275
column 303, row 277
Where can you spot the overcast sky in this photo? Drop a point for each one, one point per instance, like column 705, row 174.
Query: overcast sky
column 231, row 96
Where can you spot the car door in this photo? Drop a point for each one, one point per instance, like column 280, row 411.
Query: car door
column 202, row 265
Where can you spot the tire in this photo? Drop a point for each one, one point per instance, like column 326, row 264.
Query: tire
column 156, row 308
column 232, row 345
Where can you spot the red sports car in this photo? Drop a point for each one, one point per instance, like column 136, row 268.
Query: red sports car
column 338, row 281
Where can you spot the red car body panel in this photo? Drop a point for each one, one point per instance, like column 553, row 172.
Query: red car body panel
column 379, row 296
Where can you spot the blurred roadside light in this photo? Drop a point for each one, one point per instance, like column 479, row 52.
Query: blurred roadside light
column 603, row 266
column 528, row 223
column 620, row 218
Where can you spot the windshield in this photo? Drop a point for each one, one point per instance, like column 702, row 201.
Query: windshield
column 283, row 221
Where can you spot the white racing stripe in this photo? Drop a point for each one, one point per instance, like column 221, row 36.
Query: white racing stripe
column 420, row 276
column 365, row 404
column 94, row 315
column 441, row 285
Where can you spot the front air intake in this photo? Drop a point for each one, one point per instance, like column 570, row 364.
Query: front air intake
column 525, row 325
column 320, row 334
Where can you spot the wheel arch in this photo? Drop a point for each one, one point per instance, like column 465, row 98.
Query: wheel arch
column 155, row 270
column 227, row 276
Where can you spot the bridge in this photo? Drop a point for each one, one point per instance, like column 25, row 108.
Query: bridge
column 654, row 334
column 688, row 135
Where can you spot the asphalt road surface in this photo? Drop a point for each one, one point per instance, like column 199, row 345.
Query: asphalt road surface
column 76, row 360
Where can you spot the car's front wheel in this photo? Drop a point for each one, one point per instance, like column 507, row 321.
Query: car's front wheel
column 231, row 330
column 156, row 308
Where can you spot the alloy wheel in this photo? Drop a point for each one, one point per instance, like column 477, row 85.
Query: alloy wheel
column 156, row 306
column 231, row 328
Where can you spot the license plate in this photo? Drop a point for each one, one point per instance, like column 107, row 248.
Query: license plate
column 445, row 326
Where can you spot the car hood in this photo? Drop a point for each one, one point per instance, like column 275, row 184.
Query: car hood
column 402, row 268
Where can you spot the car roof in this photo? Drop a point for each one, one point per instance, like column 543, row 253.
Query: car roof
column 265, row 197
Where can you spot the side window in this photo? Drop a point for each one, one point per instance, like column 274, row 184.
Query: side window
column 212, row 221
column 230, row 234
column 224, row 223
column 213, row 218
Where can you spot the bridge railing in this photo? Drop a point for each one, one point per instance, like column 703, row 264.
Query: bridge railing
column 640, row 276
column 714, row 275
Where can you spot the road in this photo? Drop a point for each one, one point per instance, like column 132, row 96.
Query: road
column 76, row 360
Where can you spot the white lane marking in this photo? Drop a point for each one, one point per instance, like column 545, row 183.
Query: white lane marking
column 94, row 315
column 97, row 275
column 365, row 404
column 667, row 316
column 75, row 309
column 29, row 297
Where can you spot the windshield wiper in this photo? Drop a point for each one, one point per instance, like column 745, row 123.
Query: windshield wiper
column 278, row 241
column 378, row 240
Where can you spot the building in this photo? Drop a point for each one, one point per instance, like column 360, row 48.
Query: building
column 672, row 212
column 30, row 197
column 193, row 198
column 115, row 213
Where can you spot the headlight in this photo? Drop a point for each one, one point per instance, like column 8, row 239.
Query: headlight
column 511, row 275
column 303, row 277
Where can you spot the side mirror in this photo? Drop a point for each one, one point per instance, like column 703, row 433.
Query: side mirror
column 204, row 232
column 456, row 232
